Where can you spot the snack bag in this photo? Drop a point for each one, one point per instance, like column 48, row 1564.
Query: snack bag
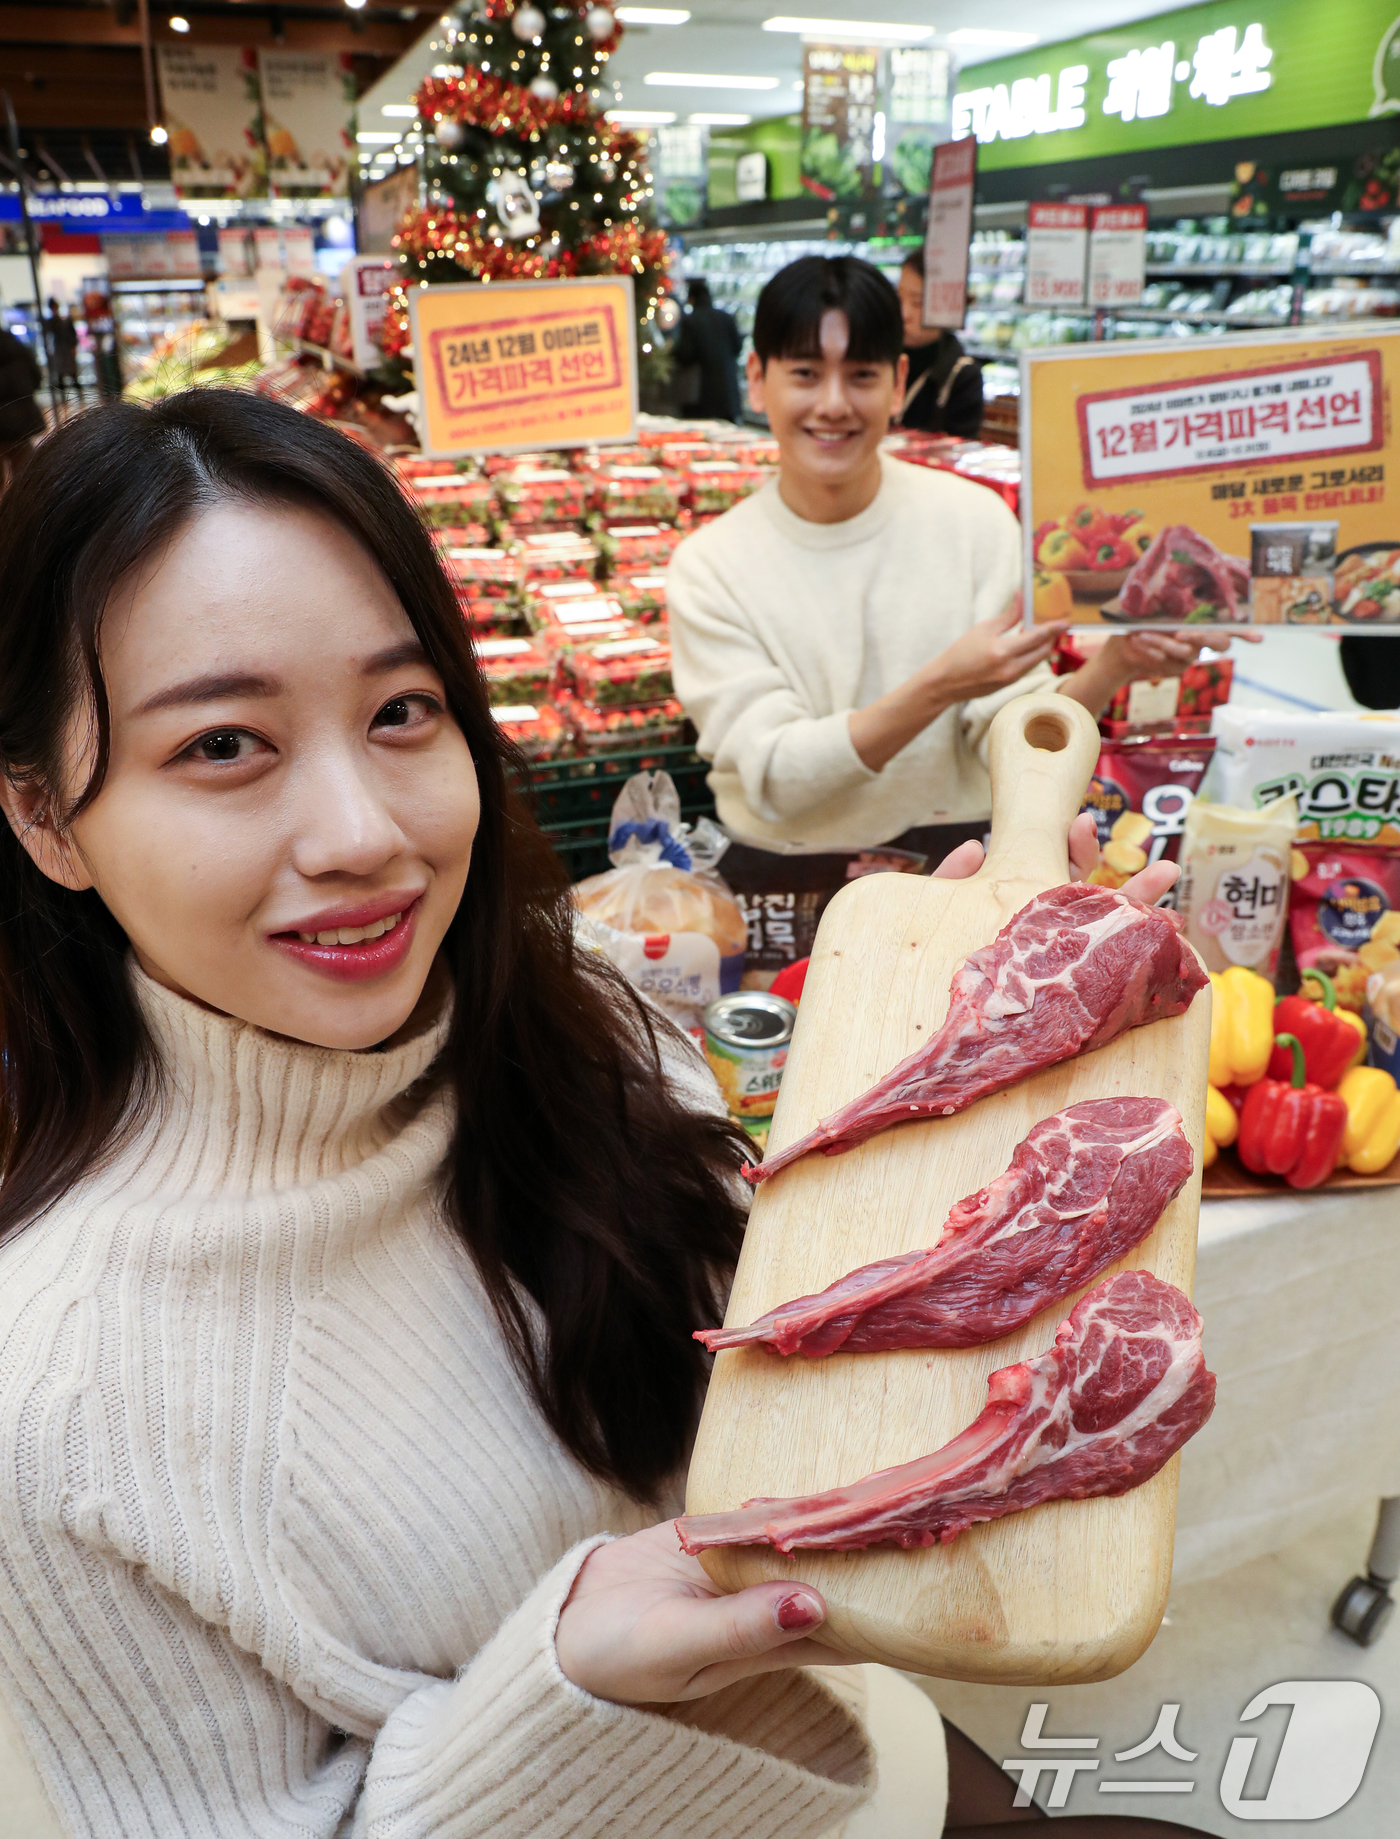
column 1235, row 872
column 661, row 913
column 1140, row 793
column 1346, row 915
column 1343, row 768
column 1383, row 1018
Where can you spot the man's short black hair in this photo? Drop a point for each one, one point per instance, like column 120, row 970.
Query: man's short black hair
column 915, row 260
column 788, row 319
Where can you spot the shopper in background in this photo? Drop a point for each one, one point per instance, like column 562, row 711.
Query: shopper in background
column 843, row 638
column 21, row 418
column 708, row 349
column 63, row 346
column 943, row 388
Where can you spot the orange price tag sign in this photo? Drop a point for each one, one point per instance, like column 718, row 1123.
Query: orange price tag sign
column 519, row 365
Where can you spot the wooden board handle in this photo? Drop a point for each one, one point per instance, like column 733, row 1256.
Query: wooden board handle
column 1043, row 750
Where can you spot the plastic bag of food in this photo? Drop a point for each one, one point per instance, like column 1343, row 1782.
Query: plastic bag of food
column 662, row 914
column 1235, row 874
column 1139, row 796
column 1342, row 766
column 1345, row 915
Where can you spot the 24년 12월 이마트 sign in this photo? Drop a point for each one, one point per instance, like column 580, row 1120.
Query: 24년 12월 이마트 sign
column 1251, row 481
column 516, row 366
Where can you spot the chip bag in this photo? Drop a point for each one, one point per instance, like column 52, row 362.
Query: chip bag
column 1139, row 796
column 1346, row 915
column 661, row 913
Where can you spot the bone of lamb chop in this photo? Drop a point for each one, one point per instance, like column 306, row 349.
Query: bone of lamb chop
column 1084, row 1187
column 1179, row 571
column 1121, row 1390
column 1072, row 970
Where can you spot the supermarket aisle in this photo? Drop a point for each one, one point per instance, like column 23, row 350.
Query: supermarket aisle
column 1223, row 1641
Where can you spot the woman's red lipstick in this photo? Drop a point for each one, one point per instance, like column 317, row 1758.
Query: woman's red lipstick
column 358, row 963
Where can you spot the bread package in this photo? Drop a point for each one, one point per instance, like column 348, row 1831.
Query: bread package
column 662, row 914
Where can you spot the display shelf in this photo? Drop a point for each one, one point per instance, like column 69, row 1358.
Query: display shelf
column 332, row 360
column 1195, row 271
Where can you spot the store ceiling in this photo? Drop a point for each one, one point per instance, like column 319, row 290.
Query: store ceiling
column 726, row 38
column 76, row 64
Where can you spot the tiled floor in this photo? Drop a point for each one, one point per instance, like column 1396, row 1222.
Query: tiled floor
column 1224, row 1641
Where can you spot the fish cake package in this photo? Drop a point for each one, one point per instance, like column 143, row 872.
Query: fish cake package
column 1343, row 768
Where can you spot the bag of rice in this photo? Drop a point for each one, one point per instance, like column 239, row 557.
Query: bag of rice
column 1233, row 892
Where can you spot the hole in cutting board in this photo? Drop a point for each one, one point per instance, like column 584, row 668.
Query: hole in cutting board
column 1050, row 733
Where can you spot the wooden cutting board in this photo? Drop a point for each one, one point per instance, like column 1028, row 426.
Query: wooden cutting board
column 1071, row 1590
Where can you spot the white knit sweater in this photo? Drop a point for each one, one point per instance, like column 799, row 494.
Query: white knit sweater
column 267, row 1475
column 780, row 627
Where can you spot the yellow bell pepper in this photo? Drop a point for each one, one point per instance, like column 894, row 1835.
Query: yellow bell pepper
column 1241, row 1026
column 1222, row 1125
column 1372, row 1135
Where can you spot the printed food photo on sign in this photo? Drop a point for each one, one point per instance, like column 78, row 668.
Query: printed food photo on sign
column 1244, row 484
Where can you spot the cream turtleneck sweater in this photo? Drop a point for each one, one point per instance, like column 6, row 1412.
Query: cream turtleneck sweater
column 283, row 1541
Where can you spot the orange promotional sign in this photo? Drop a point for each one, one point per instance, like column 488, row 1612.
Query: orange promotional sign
column 1249, row 479
column 511, row 366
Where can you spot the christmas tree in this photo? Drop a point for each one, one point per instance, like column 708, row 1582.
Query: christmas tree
column 525, row 179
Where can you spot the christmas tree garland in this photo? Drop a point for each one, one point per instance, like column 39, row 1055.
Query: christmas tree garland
column 525, row 178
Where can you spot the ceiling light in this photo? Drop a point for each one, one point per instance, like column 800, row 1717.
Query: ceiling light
column 719, row 121
column 371, row 137
column 355, row 5
column 400, row 111
column 690, row 79
column 640, row 118
column 650, row 15
column 978, row 35
column 158, row 136
column 178, row 23
column 861, row 31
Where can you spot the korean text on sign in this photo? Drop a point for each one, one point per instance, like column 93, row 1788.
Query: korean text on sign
column 505, row 364
column 1290, row 411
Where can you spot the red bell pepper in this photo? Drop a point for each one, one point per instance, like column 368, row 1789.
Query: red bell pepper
column 1293, row 1130
column 1329, row 1041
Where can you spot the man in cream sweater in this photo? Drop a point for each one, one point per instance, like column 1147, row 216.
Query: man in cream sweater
column 843, row 638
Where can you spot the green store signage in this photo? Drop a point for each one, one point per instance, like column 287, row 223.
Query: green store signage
column 1233, row 68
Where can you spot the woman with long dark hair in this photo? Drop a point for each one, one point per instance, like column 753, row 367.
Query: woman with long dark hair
column 353, row 1221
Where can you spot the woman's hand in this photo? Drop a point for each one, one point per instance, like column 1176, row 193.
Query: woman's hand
column 643, row 1625
column 1148, row 885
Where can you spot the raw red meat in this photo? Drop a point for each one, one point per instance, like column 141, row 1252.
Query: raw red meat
column 1179, row 574
column 1072, row 970
column 1121, row 1390
column 1086, row 1186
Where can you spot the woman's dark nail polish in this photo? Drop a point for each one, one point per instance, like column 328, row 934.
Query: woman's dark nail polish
column 797, row 1612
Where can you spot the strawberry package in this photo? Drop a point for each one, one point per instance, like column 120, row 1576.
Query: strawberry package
column 619, row 672
column 453, row 498
column 1180, row 705
column 537, row 729
column 634, row 492
column 515, row 670
column 643, row 597
column 1139, row 795
column 657, row 724
column 557, row 555
column 533, row 496
column 490, row 573
column 550, row 604
column 639, row 545
column 1344, row 914
column 715, row 485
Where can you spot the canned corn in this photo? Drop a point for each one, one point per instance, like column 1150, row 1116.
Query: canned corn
column 746, row 1043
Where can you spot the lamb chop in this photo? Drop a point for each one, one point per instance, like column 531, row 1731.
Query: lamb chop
column 1084, row 1187
column 1180, row 573
column 1075, row 968
column 1121, row 1390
